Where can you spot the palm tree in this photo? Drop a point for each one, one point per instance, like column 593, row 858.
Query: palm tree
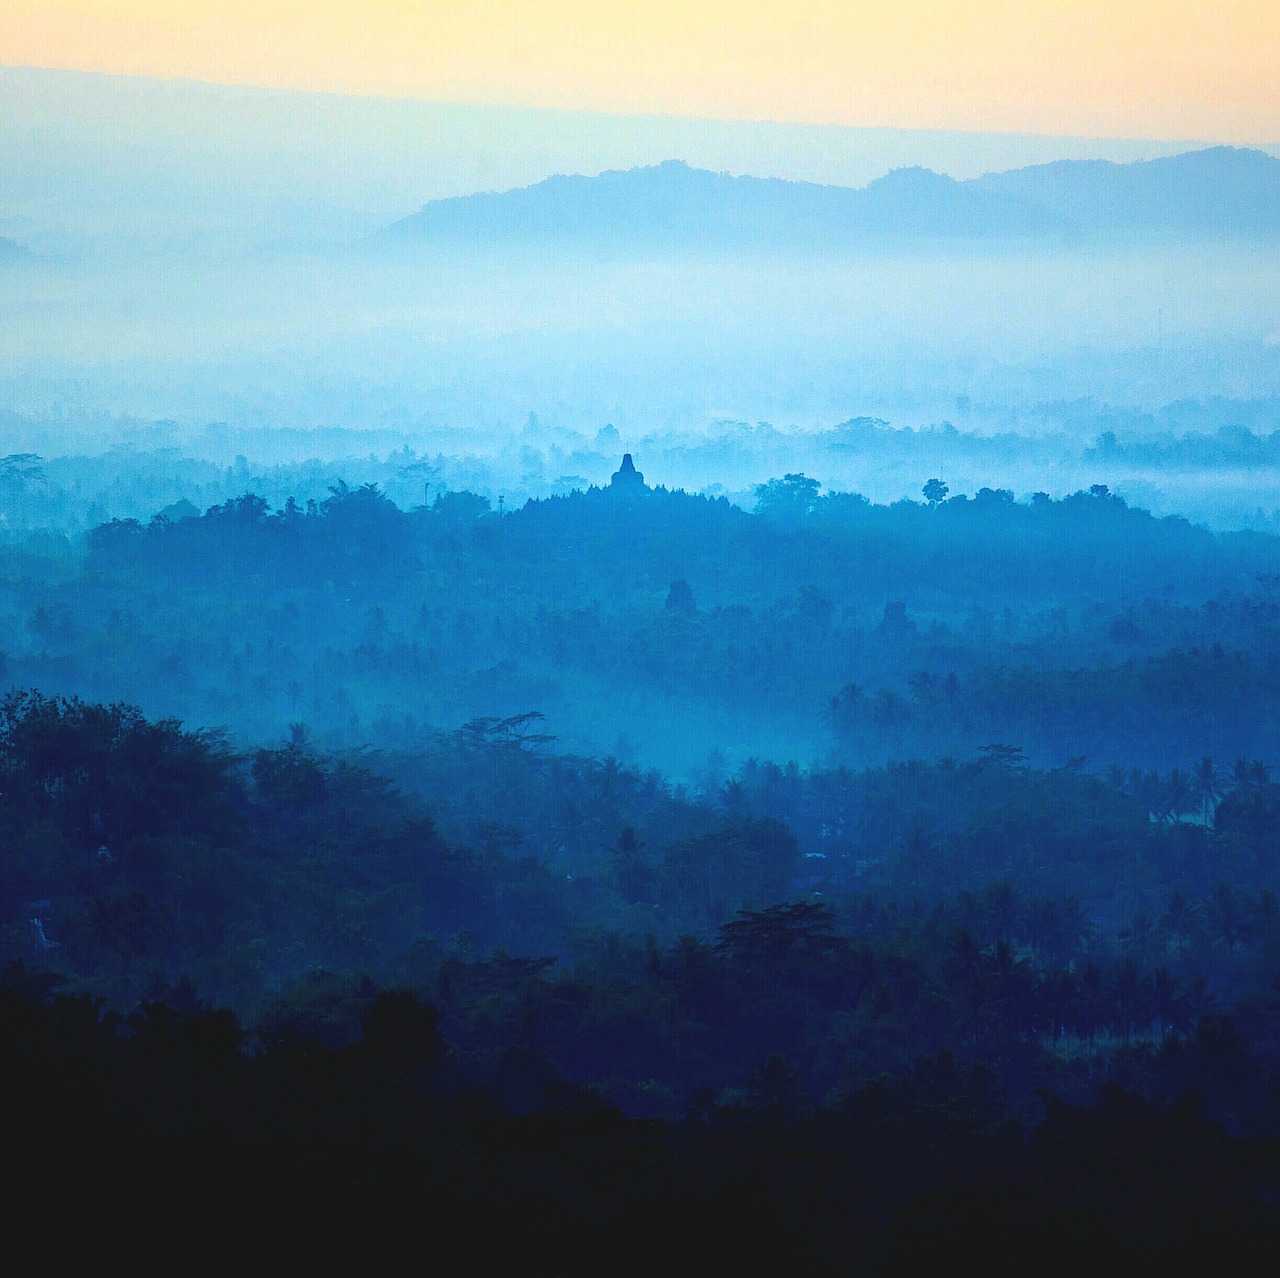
column 1181, row 921
column 918, row 852
column 1247, row 774
column 1177, row 795
column 1129, row 1000
column 1206, row 784
column 1264, row 919
column 1168, row 1001
column 1226, row 917
column 1149, row 795
column 1057, row 928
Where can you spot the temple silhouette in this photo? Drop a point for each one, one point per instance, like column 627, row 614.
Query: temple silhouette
column 627, row 478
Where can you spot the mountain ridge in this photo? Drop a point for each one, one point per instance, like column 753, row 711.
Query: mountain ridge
column 1222, row 191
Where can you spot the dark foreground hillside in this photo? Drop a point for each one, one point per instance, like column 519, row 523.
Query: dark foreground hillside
column 378, row 1146
column 713, row 1058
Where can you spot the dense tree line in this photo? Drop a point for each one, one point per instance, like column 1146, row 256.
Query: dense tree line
column 821, row 626
column 612, row 930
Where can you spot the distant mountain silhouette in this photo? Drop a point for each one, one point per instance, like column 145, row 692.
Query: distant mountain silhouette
column 672, row 203
column 1221, row 191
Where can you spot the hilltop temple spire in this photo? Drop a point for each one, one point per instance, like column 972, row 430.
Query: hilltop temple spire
column 627, row 477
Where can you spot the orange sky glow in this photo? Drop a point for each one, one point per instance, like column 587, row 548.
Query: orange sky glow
column 1102, row 68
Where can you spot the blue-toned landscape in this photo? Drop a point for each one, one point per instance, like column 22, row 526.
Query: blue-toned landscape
column 716, row 682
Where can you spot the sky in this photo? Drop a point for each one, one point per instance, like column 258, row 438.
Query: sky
column 1145, row 69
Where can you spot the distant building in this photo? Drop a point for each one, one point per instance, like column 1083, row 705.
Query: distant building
column 179, row 510
column 627, row 478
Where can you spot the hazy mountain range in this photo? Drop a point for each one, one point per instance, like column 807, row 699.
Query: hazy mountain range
column 111, row 161
column 1218, row 192
column 201, row 253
